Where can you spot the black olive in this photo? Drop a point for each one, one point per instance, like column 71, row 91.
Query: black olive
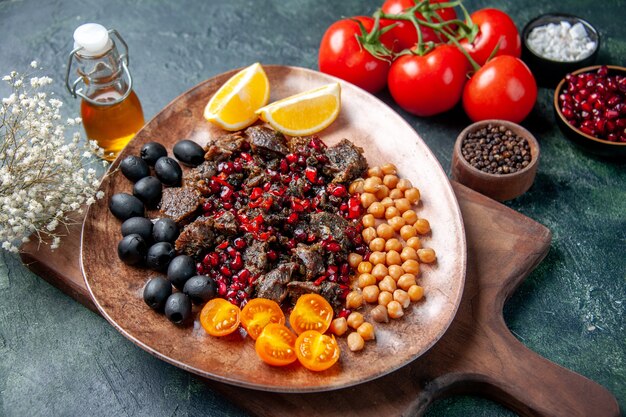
column 124, row 206
column 140, row 226
column 168, row 171
column 134, row 168
column 132, row 249
column 180, row 270
column 148, row 190
column 156, row 293
column 200, row 289
column 178, row 308
column 152, row 151
column 160, row 255
column 189, row 152
column 165, row 230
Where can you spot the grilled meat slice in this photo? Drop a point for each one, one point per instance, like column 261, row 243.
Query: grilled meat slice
column 273, row 285
column 267, row 142
column 347, row 162
column 328, row 225
column 180, row 204
column 255, row 257
column 311, row 259
column 198, row 237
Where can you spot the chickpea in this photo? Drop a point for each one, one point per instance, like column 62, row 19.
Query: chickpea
column 384, row 298
column 394, row 310
column 379, row 314
column 415, row 292
column 427, row 255
column 422, row 226
column 367, row 199
column 396, row 223
column 369, row 234
column 406, row 281
column 355, row 342
column 411, row 266
column 385, row 231
column 393, row 244
column 372, row 184
column 408, row 253
column 382, row 192
column 364, row 267
column 366, row 330
column 404, row 184
column 387, row 284
column 366, row 279
column 395, row 271
column 386, row 202
column 377, row 244
column 391, row 212
column 338, row 326
column 370, row 293
column 376, row 209
column 375, row 172
column 368, row 220
column 389, row 169
column 396, row 194
column 354, row 300
column 402, row 297
column 378, row 258
column 407, row 232
column 380, row 271
column 414, row 242
column 390, row 181
column 354, row 259
column 355, row 319
column 413, row 195
column 402, row 204
column 409, row 216
column 356, row 186
column 393, row 258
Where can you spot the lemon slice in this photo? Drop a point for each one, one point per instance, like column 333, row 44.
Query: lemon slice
column 234, row 105
column 305, row 113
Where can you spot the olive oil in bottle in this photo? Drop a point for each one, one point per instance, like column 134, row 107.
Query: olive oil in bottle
column 110, row 109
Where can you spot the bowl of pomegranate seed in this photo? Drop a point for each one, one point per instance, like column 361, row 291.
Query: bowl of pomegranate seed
column 590, row 108
column 555, row 44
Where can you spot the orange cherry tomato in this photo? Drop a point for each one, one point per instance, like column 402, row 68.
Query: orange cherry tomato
column 317, row 351
column 275, row 345
column 219, row 317
column 258, row 313
column 311, row 312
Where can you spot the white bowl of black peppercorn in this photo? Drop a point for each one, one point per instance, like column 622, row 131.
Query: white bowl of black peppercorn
column 497, row 158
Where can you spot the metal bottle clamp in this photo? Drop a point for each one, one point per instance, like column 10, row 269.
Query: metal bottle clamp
column 123, row 60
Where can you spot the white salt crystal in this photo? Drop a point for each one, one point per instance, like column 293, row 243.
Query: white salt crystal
column 561, row 42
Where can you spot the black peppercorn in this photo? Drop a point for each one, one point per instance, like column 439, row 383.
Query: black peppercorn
column 496, row 150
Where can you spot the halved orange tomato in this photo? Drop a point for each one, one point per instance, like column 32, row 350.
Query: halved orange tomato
column 311, row 312
column 317, row 351
column 275, row 345
column 219, row 317
column 258, row 313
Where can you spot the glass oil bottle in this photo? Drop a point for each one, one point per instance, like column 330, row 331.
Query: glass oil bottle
column 110, row 109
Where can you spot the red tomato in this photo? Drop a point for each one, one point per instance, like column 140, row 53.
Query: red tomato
column 503, row 89
column 429, row 84
column 494, row 26
column 404, row 33
column 343, row 56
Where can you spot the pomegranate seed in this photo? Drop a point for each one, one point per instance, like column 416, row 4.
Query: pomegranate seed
column 226, row 271
column 344, row 313
column 237, row 263
column 291, row 158
column 311, row 174
column 272, row 255
column 237, row 166
column 241, row 295
column 319, row 280
column 221, row 288
column 311, row 238
column 293, row 218
column 223, row 245
column 243, row 275
column 231, row 294
column 284, row 166
column 256, row 193
column 240, row 243
column 232, row 252
column 246, row 157
column 333, row 247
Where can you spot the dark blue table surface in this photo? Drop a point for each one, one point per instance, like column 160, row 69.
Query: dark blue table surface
column 59, row 359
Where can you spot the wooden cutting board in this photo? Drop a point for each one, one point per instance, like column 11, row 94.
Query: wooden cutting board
column 477, row 354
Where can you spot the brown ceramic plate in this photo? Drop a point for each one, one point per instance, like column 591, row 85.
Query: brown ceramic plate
column 385, row 136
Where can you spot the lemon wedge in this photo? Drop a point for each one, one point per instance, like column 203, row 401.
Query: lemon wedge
column 234, row 105
column 304, row 113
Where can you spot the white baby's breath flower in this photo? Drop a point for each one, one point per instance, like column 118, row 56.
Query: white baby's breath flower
column 42, row 173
